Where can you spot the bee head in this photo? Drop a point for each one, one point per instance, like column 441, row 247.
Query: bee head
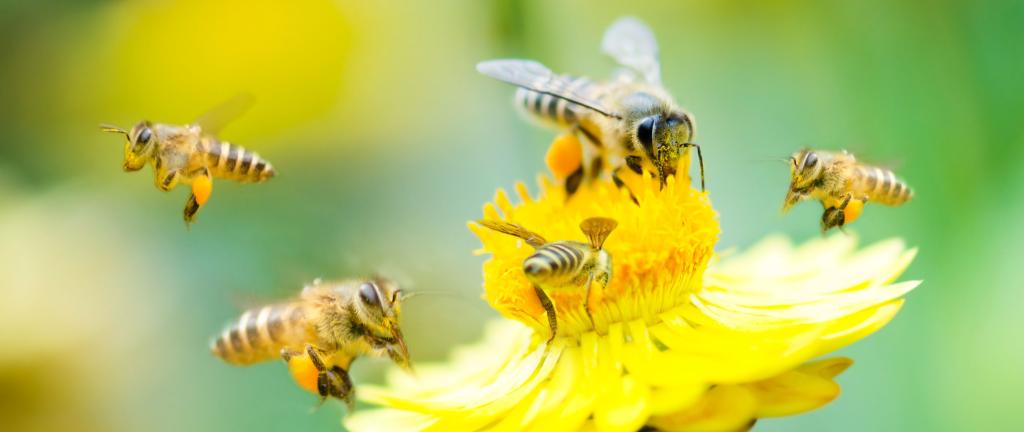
column 378, row 304
column 141, row 141
column 664, row 137
column 804, row 168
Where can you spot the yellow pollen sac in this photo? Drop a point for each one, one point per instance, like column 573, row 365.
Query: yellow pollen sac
column 202, row 187
column 564, row 156
column 853, row 210
column 303, row 372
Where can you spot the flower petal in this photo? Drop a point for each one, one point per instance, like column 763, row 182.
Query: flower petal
column 806, row 388
column 723, row 408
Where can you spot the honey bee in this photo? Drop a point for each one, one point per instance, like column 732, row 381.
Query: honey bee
column 192, row 154
column 842, row 185
column 564, row 264
column 329, row 325
column 631, row 121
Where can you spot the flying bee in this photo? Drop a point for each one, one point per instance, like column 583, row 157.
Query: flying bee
column 329, row 325
column 192, row 154
column 631, row 121
column 842, row 185
column 564, row 264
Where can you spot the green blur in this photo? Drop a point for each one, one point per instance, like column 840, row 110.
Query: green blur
column 386, row 141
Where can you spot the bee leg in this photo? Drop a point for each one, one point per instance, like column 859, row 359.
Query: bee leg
column 586, row 302
column 167, row 179
column 191, row 208
column 341, row 387
column 287, row 354
column 202, row 186
column 330, row 382
column 573, row 181
column 549, row 308
column 846, row 201
column 622, row 185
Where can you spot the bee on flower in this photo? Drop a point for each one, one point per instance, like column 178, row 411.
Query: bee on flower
column 680, row 339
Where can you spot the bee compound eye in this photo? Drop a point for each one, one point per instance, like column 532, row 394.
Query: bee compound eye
column 145, row 135
column 645, row 131
column 811, row 160
column 368, row 294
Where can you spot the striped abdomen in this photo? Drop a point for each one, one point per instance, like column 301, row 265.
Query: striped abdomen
column 550, row 108
column 882, row 186
column 230, row 161
column 259, row 334
column 558, row 262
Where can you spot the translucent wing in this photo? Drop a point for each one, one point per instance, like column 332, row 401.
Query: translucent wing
column 632, row 44
column 597, row 230
column 531, row 238
column 534, row 76
column 218, row 117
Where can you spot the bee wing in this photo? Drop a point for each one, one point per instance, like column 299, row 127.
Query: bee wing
column 215, row 119
column 534, row 76
column 597, row 230
column 531, row 238
column 632, row 44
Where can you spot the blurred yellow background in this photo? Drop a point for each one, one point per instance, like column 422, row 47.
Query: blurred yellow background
column 386, row 141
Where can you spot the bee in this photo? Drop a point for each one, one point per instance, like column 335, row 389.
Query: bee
column 192, row 154
column 842, row 185
column 564, row 264
column 329, row 325
column 630, row 122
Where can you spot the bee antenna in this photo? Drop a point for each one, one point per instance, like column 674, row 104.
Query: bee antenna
column 700, row 161
column 112, row 128
column 408, row 295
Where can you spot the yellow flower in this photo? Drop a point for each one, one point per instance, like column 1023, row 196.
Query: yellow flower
column 684, row 340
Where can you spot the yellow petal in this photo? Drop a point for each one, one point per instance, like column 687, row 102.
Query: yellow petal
column 723, row 408
column 803, row 389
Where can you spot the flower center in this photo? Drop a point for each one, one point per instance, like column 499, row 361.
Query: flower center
column 658, row 252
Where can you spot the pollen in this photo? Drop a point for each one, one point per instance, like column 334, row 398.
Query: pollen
column 564, row 156
column 852, row 210
column 202, row 187
column 303, row 372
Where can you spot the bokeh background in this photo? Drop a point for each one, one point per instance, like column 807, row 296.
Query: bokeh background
column 387, row 141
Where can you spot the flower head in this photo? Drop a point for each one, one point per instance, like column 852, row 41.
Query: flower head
column 682, row 339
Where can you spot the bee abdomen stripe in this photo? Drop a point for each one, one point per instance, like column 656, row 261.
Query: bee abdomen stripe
column 573, row 255
column 869, row 179
column 898, row 192
column 232, row 158
column 277, row 324
column 240, row 332
column 252, row 332
column 222, row 346
column 880, row 176
column 247, row 157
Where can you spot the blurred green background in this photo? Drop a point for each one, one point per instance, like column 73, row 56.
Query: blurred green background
column 386, row 141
